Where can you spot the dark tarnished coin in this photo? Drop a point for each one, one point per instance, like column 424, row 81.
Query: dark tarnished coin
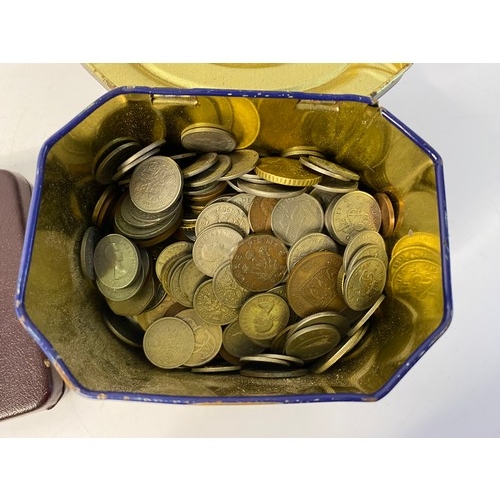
column 312, row 285
column 259, row 214
column 208, row 138
column 388, row 221
column 168, row 342
column 117, row 262
column 259, row 262
column 312, row 342
column 91, row 237
column 124, row 328
column 237, row 344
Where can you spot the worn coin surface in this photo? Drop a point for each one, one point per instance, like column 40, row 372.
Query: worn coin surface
column 364, row 283
column 310, row 243
column 293, row 218
column 212, row 174
column 312, row 342
column 312, row 285
column 329, row 168
column 269, row 190
column 286, row 171
column 259, row 214
column 368, row 251
column 124, row 328
column 366, row 237
column 227, row 289
column 168, row 342
column 242, row 200
column 117, row 262
column 189, row 280
column 237, row 344
column 208, row 138
column 210, row 308
column 172, row 250
column 214, row 246
column 156, row 184
column 207, row 338
column 259, row 262
column 199, row 165
column 222, row 213
column 91, row 237
column 263, row 316
column 242, row 162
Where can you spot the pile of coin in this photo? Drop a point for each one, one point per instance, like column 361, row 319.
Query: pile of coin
column 216, row 259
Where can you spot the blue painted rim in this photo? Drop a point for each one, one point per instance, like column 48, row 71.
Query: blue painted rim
column 55, row 358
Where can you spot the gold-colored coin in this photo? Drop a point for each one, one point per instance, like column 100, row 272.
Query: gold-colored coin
column 286, row 171
column 263, row 316
column 246, row 122
column 420, row 238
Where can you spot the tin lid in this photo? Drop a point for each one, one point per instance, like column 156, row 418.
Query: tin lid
column 370, row 79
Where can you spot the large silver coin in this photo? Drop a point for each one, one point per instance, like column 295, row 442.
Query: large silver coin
column 329, row 168
column 227, row 289
column 168, row 342
column 222, row 213
column 156, row 184
column 242, row 162
column 308, row 244
column 208, row 138
column 117, row 261
column 312, row 342
column 269, row 190
column 199, row 165
column 293, row 218
column 211, row 174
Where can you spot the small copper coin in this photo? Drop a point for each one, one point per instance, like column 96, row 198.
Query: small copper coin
column 260, row 212
column 387, row 211
column 312, row 285
column 259, row 262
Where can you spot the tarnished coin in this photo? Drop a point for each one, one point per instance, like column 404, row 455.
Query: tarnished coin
column 210, row 308
column 298, row 151
column 263, row 316
column 237, row 344
column 331, row 185
column 286, row 171
column 107, row 168
column 326, row 318
column 293, row 218
column 124, row 328
column 275, row 373
column 223, row 213
column 189, row 280
column 368, row 251
column 259, row 262
column 310, row 243
column 242, row 162
column 117, row 262
column 364, row 283
column 367, row 237
column 338, row 352
column 312, row 342
column 388, row 218
column 207, row 338
column 269, row 190
column 156, row 184
column 214, row 246
column 91, row 237
column 259, row 214
column 211, row 174
column 208, row 138
column 329, row 168
column 105, row 205
column 264, row 361
column 242, row 200
column 213, row 369
column 199, row 165
column 366, row 316
column 352, row 213
column 311, row 287
column 168, row 342
column 172, row 250
column 227, row 289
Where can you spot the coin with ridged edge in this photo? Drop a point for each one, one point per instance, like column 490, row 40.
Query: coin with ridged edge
column 286, row 171
column 312, row 342
column 168, row 343
column 208, row 138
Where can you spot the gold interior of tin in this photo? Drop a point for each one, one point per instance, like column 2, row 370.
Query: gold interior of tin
column 65, row 307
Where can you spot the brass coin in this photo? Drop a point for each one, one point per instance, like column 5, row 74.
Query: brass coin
column 338, row 352
column 170, row 251
column 268, row 190
column 311, row 287
column 207, row 338
column 329, row 168
column 297, row 151
column 199, row 165
column 259, row 214
column 242, row 162
column 105, row 204
column 168, row 343
column 227, row 289
column 388, row 222
column 117, row 262
column 237, row 344
column 208, row 138
column 259, row 262
column 263, row 316
column 364, row 283
column 286, row 171
column 246, row 121
column 293, row 218
column 210, row 308
column 310, row 243
column 312, row 342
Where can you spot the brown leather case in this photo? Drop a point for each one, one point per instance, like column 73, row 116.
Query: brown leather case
column 28, row 382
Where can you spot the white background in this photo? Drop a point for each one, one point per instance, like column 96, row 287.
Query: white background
column 453, row 390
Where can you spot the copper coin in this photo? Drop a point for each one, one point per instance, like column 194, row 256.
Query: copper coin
column 387, row 211
column 260, row 212
column 259, row 262
column 312, row 285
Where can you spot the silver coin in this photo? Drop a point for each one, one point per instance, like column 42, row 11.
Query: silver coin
column 214, row 246
column 269, row 190
column 216, row 369
column 335, row 186
column 108, row 167
column 168, row 342
column 190, row 279
column 255, row 179
column 367, row 251
column 136, row 304
column 329, row 168
column 312, row 342
column 207, row 338
column 324, row 197
column 122, row 171
column 242, row 162
column 156, row 184
column 211, row 174
column 234, row 186
column 366, row 316
column 310, row 243
column 242, row 200
column 222, row 213
column 91, row 237
column 119, row 294
column 117, row 261
column 367, row 237
column 136, row 216
column 170, row 251
column 263, row 360
column 292, row 360
column 227, row 289
column 290, row 373
column 174, row 284
column 154, row 145
column 237, row 344
column 294, row 218
column 210, row 308
column 208, row 139
column 199, row 165
column 326, row 318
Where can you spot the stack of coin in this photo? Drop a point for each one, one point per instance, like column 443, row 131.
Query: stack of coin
column 227, row 259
